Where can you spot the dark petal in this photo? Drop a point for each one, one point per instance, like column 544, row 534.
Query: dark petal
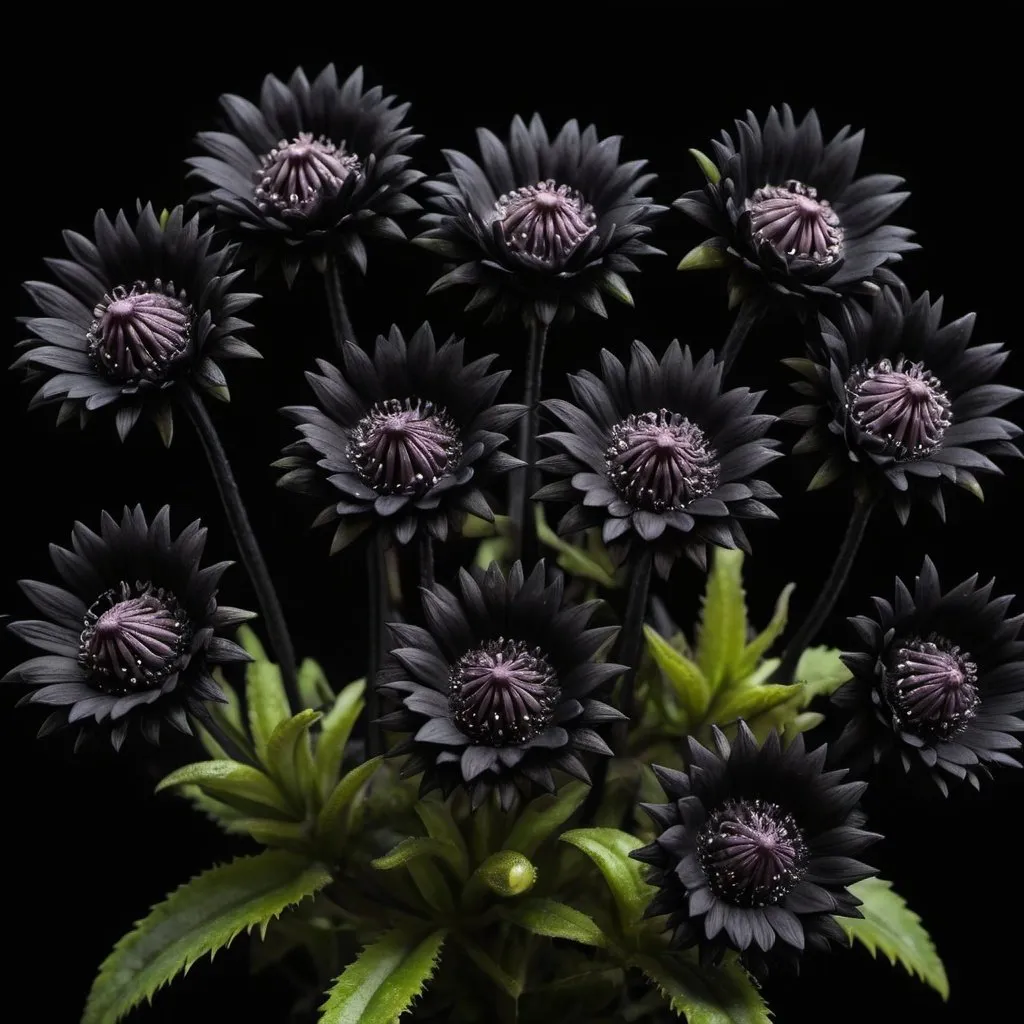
column 476, row 760
column 786, row 925
column 441, row 731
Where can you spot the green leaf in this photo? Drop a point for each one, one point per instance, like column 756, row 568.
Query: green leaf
column 474, row 526
column 290, row 756
column 506, row 873
column 704, row 257
column 314, row 690
column 609, row 849
column 891, row 927
column 555, row 920
column 334, row 734
column 247, row 637
column 821, row 672
column 229, row 717
column 493, row 549
column 440, row 825
column 200, row 917
column 287, row 835
column 541, row 816
column 335, row 818
column 828, row 472
column 614, row 284
column 238, row 785
column 706, row 995
column 512, row 986
column 382, row 982
column 683, row 675
column 760, row 645
column 573, row 559
column 707, row 165
column 750, row 701
column 722, row 634
column 268, row 703
column 413, row 847
column 222, row 814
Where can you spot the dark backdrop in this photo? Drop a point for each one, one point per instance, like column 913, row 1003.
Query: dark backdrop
column 109, row 118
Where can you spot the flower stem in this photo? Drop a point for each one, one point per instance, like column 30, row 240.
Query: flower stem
column 631, row 638
column 248, row 546
column 863, row 506
column 426, row 560
column 747, row 316
column 340, row 321
column 378, row 600
column 525, row 481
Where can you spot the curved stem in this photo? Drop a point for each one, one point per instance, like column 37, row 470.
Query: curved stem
column 747, row 316
column 525, row 481
column 248, row 546
column 378, row 600
column 426, row 560
column 864, row 505
column 340, row 321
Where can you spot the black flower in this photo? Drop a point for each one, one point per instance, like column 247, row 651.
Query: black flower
column 940, row 679
column 134, row 635
column 496, row 691
column 903, row 400
column 756, row 850
column 660, row 455
column 544, row 224
column 789, row 216
column 138, row 310
column 310, row 172
column 403, row 440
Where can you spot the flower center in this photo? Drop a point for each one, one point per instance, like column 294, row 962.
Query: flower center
column 795, row 222
column 404, row 447
column 139, row 336
column 660, row 460
column 752, row 853
column 546, row 222
column 133, row 639
column 294, row 175
column 503, row 693
column 902, row 403
column 931, row 687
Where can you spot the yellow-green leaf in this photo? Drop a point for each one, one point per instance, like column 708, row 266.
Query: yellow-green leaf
column 334, row 734
column 759, row 646
column 440, row 824
column 238, row 785
column 542, row 816
column 290, row 758
column 334, row 820
column 707, row 165
column 722, row 634
column 314, row 689
column 413, row 847
column 268, row 703
column 572, row 558
column 554, row 920
column 821, row 672
column 704, row 257
column 687, row 680
column 749, row 702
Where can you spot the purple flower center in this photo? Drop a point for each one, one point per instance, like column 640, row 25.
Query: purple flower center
column 546, row 222
column 404, row 446
column 795, row 222
column 752, row 853
column 931, row 688
column 294, row 175
column 902, row 404
column 503, row 693
column 660, row 460
column 139, row 336
column 134, row 637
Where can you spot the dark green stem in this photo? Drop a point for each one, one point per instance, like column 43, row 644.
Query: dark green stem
column 525, row 481
column 340, row 321
column 747, row 316
column 863, row 506
column 379, row 604
column 426, row 560
column 248, row 546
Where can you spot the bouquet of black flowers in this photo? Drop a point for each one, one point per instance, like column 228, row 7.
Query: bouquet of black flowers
column 535, row 797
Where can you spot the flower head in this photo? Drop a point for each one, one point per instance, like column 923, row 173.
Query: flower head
column 544, row 225
column 496, row 692
column 903, row 401
column 789, row 215
column 658, row 454
column 310, row 172
column 403, row 440
column 756, row 850
column 939, row 678
column 134, row 635
column 140, row 309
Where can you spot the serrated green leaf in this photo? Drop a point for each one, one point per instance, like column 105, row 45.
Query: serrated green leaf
column 413, row 847
column 821, row 672
column 609, row 849
column 202, row 916
column 542, row 815
column 555, row 920
column 722, row 633
column 223, row 815
column 290, row 757
column 572, row 558
column 706, row 995
column 335, row 818
column 268, row 703
column 334, row 734
column 685, row 677
column 750, row 701
column 238, row 785
column 285, row 835
column 759, row 646
column 314, row 689
column 891, row 927
column 440, row 824
column 707, row 165
column 511, row 986
column 381, row 984
column 704, row 257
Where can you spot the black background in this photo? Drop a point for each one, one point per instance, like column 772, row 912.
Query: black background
column 88, row 847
